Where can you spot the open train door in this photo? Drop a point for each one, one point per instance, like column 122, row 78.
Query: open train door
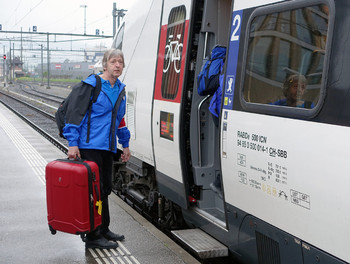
column 167, row 122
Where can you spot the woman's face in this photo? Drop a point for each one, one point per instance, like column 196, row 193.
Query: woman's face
column 114, row 67
column 296, row 89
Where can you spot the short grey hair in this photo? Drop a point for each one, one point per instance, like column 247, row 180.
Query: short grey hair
column 110, row 54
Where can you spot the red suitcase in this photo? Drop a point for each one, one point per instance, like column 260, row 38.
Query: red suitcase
column 73, row 196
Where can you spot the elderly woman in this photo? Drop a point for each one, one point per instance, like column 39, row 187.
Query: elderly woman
column 97, row 142
column 293, row 89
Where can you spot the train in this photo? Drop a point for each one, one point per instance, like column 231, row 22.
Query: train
column 282, row 169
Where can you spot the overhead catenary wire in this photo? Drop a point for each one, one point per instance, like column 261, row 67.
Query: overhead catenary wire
column 11, row 15
column 31, row 9
column 62, row 18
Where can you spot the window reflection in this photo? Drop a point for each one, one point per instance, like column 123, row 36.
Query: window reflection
column 118, row 41
column 282, row 45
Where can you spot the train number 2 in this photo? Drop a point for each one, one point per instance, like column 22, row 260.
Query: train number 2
column 236, row 25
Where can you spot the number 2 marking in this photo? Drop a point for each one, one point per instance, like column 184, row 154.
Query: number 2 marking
column 236, row 23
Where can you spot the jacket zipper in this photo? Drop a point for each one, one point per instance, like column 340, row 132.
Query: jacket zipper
column 112, row 138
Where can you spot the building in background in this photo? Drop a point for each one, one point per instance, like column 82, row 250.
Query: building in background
column 17, row 68
column 72, row 70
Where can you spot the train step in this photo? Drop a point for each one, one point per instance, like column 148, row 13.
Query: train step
column 201, row 243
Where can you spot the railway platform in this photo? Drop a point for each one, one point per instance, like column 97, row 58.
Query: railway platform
column 24, row 232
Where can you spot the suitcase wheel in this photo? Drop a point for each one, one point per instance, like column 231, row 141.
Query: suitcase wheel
column 83, row 237
column 53, row 231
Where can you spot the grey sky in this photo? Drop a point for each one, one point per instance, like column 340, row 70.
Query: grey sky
column 62, row 16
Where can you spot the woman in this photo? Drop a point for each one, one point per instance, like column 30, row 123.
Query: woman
column 98, row 142
column 293, row 89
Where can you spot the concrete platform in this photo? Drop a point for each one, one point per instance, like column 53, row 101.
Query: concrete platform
column 24, row 232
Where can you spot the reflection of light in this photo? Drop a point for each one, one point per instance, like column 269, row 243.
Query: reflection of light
column 167, row 125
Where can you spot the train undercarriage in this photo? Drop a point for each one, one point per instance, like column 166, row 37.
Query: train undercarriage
column 135, row 183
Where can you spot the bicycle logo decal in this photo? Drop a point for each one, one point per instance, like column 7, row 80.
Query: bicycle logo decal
column 173, row 51
column 171, row 56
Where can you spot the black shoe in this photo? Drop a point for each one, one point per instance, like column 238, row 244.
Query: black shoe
column 112, row 236
column 100, row 243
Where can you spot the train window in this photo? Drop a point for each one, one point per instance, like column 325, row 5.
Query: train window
column 173, row 52
column 285, row 58
column 130, row 109
column 118, row 41
column 167, row 125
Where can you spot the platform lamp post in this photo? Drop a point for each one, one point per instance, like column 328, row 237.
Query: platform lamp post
column 4, row 67
column 84, row 6
column 13, row 62
column 42, row 65
column 48, row 61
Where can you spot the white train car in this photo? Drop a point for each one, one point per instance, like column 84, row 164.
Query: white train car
column 282, row 166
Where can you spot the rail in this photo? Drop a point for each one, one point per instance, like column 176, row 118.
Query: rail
column 58, row 144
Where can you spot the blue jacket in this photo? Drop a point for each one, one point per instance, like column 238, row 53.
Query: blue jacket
column 305, row 104
column 107, row 122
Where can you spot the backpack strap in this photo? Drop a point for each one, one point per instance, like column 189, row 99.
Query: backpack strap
column 96, row 91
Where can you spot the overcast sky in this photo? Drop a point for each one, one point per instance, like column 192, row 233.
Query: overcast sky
column 66, row 16
column 57, row 16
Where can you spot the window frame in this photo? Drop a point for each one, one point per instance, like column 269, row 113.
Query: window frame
column 119, row 37
column 286, row 111
column 166, row 90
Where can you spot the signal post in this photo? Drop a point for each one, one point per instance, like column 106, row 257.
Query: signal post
column 4, row 68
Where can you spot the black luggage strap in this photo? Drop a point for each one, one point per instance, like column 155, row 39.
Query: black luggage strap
column 91, row 197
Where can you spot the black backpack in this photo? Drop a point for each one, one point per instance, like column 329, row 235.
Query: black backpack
column 60, row 114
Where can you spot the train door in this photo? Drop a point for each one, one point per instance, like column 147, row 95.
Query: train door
column 168, row 99
column 204, row 126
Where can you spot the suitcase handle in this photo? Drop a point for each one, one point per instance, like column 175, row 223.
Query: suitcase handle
column 77, row 158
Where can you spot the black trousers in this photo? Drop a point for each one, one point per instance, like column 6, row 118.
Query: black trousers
column 104, row 160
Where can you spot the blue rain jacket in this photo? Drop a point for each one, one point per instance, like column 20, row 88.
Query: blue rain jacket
column 107, row 122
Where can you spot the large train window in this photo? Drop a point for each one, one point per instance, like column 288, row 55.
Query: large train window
column 285, row 59
column 173, row 52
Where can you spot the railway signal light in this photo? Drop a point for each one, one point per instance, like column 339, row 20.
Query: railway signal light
column 4, row 56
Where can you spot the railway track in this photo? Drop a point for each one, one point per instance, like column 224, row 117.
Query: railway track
column 29, row 89
column 39, row 119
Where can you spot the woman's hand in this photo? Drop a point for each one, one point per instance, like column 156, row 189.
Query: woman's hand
column 73, row 152
column 126, row 154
